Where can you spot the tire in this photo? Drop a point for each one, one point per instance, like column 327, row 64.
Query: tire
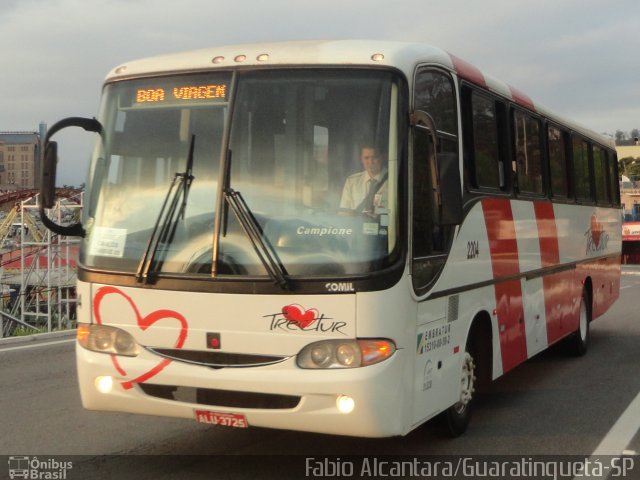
column 578, row 342
column 457, row 416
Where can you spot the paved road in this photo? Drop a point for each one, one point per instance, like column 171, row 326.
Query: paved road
column 551, row 405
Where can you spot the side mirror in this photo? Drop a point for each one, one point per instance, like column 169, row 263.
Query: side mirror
column 451, row 212
column 49, row 168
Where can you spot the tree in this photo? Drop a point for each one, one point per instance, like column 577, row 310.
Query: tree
column 624, row 138
column 630, row 167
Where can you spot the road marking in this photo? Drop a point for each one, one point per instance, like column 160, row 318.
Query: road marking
column 24, row 347
column 621, row 434
column 616, row 441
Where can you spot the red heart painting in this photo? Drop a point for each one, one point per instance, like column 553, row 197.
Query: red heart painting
column 144, row 323
column 596, row 230
column 297, row 315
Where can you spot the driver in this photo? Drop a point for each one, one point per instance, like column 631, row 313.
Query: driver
column 367, row 190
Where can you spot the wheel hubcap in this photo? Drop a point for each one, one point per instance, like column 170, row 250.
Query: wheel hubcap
column 467, row 382
column 583, row 321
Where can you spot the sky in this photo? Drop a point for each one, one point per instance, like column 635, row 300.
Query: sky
column 580, row 58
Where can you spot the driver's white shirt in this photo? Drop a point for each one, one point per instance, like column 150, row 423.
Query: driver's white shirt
column 356, row 187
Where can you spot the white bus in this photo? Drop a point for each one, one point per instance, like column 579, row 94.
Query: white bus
column 230, row 275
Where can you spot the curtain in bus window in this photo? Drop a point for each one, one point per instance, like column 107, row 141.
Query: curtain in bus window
column 485, row 142
column 600, row 175
column 558, row 161
column 527, row 152
column 613, row 178
column 581, row 169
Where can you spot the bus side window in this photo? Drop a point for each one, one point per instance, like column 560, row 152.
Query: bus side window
column 434, row 94
column 582, row 173
column 482, row 144
column 601, row 173
column 427, row 238
column 527, row 153
column 614, row 185
column 557, row 145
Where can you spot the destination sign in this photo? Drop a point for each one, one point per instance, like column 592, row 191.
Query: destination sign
column 180, row 94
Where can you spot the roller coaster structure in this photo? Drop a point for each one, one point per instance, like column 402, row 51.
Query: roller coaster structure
column 37, row 267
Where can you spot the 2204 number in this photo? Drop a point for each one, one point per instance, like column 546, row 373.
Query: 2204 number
column 473, row 249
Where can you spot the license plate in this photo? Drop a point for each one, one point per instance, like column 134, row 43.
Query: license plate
column 221, row 418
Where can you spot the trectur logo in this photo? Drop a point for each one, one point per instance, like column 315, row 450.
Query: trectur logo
column 38, row 469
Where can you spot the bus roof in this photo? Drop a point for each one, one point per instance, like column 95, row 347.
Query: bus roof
column 364, row 53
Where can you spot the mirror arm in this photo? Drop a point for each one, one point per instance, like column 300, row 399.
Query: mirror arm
column 75, row 230
column 50, row 159
column 88, row 124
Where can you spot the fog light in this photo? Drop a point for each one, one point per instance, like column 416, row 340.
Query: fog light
column 104, row 384
column 345, row 404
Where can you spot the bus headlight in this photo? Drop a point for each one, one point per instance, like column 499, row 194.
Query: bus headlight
column 345, row 353
column 106, row 339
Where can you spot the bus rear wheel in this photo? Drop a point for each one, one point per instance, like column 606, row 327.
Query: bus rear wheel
column 457, row 416
column 578, row 343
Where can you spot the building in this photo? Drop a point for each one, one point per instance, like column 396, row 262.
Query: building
column 630, row 190
column 21, row 158
column 630, row 198
column 626, row 151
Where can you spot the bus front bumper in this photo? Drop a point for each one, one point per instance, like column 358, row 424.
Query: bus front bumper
column 264, row 396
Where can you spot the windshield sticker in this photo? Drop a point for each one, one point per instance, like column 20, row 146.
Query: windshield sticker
column 107, row 242
column 144, row 323
column 295, row 317
column 370, row 228
column 597, row 238
column 322, row 231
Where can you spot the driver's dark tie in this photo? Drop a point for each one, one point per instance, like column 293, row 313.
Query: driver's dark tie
column 368, row 207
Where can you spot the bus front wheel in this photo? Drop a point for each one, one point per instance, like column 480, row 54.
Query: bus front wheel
column 457, row 416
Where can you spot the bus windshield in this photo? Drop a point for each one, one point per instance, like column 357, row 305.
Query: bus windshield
column 310, row 155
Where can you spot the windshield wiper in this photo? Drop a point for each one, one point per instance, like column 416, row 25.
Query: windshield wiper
column 165, row 227
column 261, row 245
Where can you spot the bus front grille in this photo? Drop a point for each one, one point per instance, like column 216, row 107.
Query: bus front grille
column 221, row 398
column 217, row 359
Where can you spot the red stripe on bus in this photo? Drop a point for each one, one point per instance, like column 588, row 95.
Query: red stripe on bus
column 547, row 234
column 503, row 248
column 522, row 98
column 557, row 287
column 467, row 71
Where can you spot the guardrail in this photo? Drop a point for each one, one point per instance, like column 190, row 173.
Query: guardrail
column 7, row 328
